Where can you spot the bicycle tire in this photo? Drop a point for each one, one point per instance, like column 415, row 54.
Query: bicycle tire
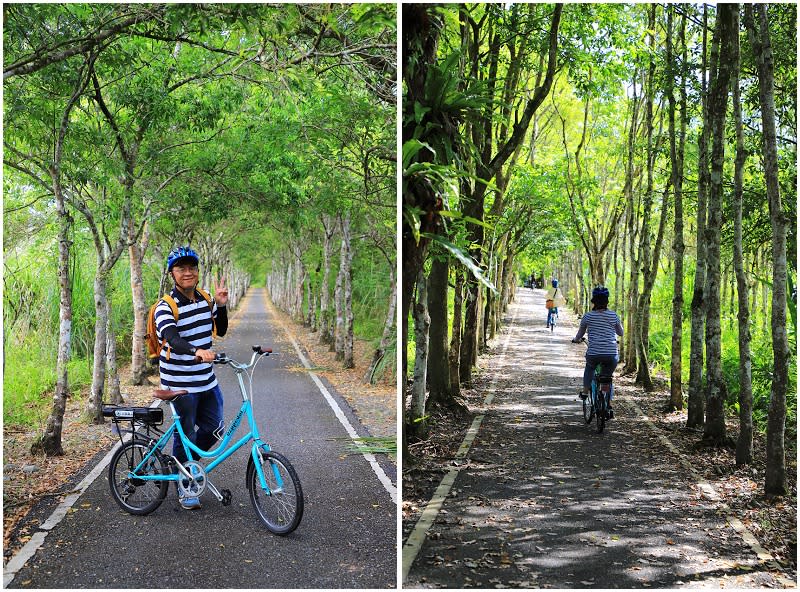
column 601, row 411
column 280, row 511
column 136, row 496
column 588, row 410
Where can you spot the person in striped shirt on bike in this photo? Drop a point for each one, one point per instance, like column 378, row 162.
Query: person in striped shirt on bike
column 185, row 362
column 603, row 326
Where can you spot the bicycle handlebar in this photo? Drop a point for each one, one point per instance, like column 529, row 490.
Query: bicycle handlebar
column 222, row 357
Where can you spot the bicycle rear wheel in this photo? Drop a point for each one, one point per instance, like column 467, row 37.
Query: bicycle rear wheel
column 602, row 409
column 136, row 496
column 280, row 506
column 588, row 410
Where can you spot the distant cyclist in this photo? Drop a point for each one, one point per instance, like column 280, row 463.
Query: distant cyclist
column 603, row 326
column 553, row 299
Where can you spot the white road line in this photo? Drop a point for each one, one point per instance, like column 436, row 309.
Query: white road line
column 368, row 456
column 417, row 537
column 37, row 540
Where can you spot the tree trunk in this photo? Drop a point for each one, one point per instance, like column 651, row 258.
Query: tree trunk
column 696, row 402
column 775, row 475
column 136, row 253
column 468, row 335
column 744, row 444
column 643, row 305
column 716, row 391
column 454, row 355
column 50, row 440
column 114, row 394
column 349, row 359
column 422, row 321
column 678, row 246
column 337, row 345
column 389, row 332
column 438, row 365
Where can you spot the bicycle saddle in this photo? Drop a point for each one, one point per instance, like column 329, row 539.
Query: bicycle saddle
column 166, row 395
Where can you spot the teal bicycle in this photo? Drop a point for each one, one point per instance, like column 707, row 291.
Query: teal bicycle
column 141, row 470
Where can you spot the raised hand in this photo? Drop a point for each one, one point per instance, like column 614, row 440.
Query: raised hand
column 220, row 291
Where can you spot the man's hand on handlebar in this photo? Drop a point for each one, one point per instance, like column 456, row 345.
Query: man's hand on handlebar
column 205, row 355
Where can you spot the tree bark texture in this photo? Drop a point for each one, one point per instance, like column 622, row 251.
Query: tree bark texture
column 389, row 332
column 50, row 441
column 422, row 322
column 716, row 390
column 775, row 474
column 136, row 252
column 744, row 444
column 347, row 261
column 438, row 363
column 696, row 401
column 676, row 149
column 454, row 355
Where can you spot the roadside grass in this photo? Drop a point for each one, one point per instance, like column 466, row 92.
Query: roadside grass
column 29, row 378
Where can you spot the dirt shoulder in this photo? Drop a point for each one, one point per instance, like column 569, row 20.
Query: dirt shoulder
column 773, row 522
column 34, row 484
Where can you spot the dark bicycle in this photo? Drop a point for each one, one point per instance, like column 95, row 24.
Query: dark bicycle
column 597, row 403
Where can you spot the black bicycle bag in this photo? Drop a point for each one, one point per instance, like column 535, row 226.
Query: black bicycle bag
column 148, row 415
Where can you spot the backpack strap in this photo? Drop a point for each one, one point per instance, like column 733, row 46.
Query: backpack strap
column 174, row 308
column 207, row 298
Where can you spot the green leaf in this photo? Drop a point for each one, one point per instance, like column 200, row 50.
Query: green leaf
column 410, row 150
column 419, row 111
column 456, row 215
column 465, row 259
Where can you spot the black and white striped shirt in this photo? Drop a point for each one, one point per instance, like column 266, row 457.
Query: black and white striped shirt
column 603, row 327
column 183, row 371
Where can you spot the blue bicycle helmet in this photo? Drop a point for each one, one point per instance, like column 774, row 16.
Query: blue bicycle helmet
column 555, row 283
column 181, row 253
column 600, row 294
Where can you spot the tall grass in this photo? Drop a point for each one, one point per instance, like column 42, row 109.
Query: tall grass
column 31, row 327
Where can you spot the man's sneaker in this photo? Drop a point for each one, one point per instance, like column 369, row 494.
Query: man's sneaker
column 189, row 503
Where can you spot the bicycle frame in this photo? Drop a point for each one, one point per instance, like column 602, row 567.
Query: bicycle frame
column 222, row 451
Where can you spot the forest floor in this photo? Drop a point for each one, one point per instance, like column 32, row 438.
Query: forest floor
column 506, row 434
column 29, row 480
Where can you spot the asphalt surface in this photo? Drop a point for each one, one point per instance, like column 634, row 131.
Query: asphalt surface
column 347, row 538
column 544, row 501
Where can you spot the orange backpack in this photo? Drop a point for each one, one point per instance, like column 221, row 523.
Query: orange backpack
column 154, row 346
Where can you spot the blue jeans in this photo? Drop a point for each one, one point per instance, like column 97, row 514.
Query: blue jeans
column 608, row 365
column 203, row 410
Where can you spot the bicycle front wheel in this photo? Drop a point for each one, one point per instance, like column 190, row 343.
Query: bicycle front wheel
column 280, row 505
column 137, row 496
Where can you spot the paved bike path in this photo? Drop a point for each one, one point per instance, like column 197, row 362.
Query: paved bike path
column 542, row 500
column 347, row 538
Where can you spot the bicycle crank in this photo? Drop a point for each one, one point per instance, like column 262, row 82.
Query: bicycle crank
column 195, row 485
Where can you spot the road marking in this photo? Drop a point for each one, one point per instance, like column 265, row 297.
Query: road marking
column 370, row 458
column 21, row 557
column 764, row 556
column 417, row 537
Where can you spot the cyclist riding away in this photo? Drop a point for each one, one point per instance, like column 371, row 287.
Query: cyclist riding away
column 553, row 299
column 603, row 326
column 185, row 362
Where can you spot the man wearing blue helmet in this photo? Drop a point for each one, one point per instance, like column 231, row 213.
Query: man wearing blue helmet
column 185, row 361
column 603, row 326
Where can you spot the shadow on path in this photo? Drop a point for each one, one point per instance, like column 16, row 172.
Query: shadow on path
column 545, row 501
